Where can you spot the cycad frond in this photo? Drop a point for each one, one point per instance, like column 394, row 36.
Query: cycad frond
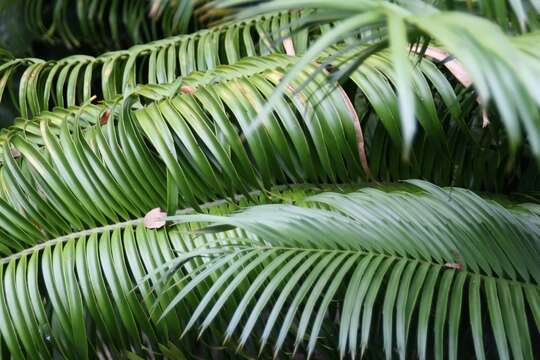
column 107, row 24
column 408, row 270
column 90, row 114
column 520, row 15
column 86, row 167
column 398, row 265
column 501, row 72
column 74, row 80
column 77, row 296
column 69, row 177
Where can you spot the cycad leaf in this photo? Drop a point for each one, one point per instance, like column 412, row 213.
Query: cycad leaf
column 280, row 231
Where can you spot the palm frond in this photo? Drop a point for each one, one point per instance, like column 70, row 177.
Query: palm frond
column 401, row 265
column 92, row 113
column 77, row 173
column 77, row 296
column 500, row 71
column 513, row 16
column 239, row 141
column 74, row 80
column 107, row 24
column 82, row 178
column 520, row 15
column 81, row 168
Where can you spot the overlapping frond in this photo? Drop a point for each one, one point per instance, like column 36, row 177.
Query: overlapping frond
column 74, row 80
column 511, row 15
column 68, row 176
column 411, row 270
column 78, row 295
column 80, row 169
column 501, row 72
column 107, row 24
column 93, row 113
column 96, row 165
column 401, row 268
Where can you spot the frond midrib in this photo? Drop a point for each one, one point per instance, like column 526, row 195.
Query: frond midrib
column 134, row 222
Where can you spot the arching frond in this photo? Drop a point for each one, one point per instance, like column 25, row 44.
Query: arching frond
column 107, row 24
column 78, row 296
column 197, row 197
column 75, row 79
column 102, row 165
column 513, row 16
column 500, row 71
column 91, row 113
column 77, row 178
column 395, row 267
column 520, row 15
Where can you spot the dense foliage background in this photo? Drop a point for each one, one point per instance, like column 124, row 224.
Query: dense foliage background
column 193, row 179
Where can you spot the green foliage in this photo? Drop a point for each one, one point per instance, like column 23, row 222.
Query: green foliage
column 106, row 24
column 402, row 265
column 484, row 50
column 512, row 15
column 75, row 79
column 90, row 166
column 77, row 296
column 245, row 127
column 12, row 35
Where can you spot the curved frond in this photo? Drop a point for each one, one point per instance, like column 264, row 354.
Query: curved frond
column 511, row 15
column 197, row 196
column 81, row 178
column 74, row 80
column 92, row 293
column 91, row 113
column 391, row 267
column 500, row 71
column 107, row 24
column 80, row 168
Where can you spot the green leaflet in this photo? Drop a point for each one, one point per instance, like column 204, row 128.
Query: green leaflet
column 500, row 71
column 107, row 24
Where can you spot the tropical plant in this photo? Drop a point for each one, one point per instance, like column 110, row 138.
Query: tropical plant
column 484, row 50
column 77, row 295
column 107, row 24
column 385, row 270
column 233, row 192
column 75, row 79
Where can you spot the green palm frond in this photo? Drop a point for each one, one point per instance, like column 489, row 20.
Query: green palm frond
column 445, row 137
column 230, row 193
column 107, row 24
column 394, row 267
column 76, row 296
column 520, row 15
column 90, row 114
column 513, row 16
column 74, row 80
column 69, row 177
column 501, row 72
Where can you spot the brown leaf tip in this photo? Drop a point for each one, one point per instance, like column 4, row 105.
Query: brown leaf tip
column 105, row 117
column 155, row 219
